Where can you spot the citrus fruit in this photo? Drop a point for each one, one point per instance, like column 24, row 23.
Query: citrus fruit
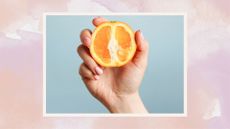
column 113, row 44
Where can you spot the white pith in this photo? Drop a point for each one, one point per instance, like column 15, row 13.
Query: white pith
column 113, row 46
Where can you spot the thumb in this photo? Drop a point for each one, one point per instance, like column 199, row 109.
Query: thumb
column 141, row 55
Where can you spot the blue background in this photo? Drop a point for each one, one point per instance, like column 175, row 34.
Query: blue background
column 162, row 87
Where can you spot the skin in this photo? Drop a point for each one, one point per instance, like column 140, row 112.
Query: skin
column 116, row 88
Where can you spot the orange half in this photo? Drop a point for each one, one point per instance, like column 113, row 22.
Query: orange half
column 113, row 44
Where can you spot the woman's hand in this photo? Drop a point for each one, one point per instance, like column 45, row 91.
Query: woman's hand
column 117, row 88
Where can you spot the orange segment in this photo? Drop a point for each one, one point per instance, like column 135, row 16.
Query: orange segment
column 123, row 37
column 124, row 41
column 101, row 42
column 113, row 44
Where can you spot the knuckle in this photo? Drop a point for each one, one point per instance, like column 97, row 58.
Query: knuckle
column 84, row 31
column 145, row 46
column 80, row 69
column 90, row 64
column 79, row 49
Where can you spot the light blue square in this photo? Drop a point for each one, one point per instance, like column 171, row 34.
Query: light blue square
column 162, row 89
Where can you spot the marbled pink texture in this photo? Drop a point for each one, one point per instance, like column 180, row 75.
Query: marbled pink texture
column 21, row 63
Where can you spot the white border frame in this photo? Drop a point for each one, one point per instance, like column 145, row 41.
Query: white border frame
column 114, row 115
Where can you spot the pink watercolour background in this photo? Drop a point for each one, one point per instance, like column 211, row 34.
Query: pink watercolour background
column 21, row 64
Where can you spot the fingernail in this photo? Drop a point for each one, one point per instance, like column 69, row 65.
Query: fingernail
column 141, row 35
column 87, row 40
column 99, row 70
column 96, row 77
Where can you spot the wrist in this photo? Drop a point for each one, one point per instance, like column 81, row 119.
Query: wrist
column 131, row 103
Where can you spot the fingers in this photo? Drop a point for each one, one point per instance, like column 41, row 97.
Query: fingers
column 99, row 20
column 141, row 55
column 85, row 72
column 86, row 37
column 142, row 45
column 83, row 52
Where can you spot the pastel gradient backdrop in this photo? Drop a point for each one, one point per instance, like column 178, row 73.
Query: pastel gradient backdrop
column 21, row 64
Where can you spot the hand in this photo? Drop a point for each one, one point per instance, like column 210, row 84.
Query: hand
column 117, row 88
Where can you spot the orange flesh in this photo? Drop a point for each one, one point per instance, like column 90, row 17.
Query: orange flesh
column 101, row 44
column 122, row 37
column 124, row 42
